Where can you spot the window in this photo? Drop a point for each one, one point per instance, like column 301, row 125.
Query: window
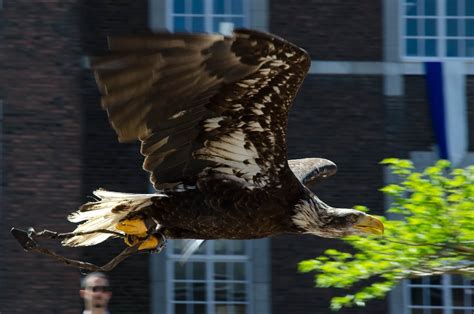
column 215, row 279
column 209, row 16
column 440, row 295
column 437, row 28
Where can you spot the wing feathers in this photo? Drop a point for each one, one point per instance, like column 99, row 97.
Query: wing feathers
column 200, row 101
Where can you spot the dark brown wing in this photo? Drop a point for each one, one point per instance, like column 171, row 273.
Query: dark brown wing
column 203, row 104
column 310, row 171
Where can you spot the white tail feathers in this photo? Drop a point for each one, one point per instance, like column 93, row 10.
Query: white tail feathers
column 104, row 214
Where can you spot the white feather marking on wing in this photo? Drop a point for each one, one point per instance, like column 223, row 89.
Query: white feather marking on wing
column 212, row 123
column 178, row 114
column 257, row 111
column 255, row 126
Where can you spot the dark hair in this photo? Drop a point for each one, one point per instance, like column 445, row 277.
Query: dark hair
column 95, row 274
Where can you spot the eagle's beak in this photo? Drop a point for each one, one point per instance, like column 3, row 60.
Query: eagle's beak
column 370, row 224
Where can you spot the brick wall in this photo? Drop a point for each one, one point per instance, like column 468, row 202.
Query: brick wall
column 108, row 164
column 39, row 79
column 58, row 148
column 419, row 130
column 349, row 30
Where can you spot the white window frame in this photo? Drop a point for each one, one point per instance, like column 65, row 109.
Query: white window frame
column 208, row 14
column 209, row 258
column 441, row 36
column 446, row 287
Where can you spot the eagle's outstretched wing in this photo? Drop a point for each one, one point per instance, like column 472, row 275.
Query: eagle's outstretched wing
column 203, row 104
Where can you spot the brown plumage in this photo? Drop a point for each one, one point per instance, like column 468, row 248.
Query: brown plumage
column 211, row 113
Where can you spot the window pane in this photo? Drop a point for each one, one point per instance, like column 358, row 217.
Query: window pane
column 434, row 280
column 469, row 48
column 239, row 293
column 239, row 309
column 436, row 296
column 457, row 280
column 412, row 47
column 452, row 49
column 179, row 271
column 199, row 309
column 238, row 247
column 220, row 291
column 199, row 270
column 198, row 6
column 237, row 6
column 239, row 271
column 416, row 296
column 199, row 291
column 458, row 296
column 238, row 21
column 179, row 6
column 220, row 246
column 222, row 309
column 430, row 27
column 177, row 244
column 452, row 7
column 220, row 271
column 179, row 26
column 412, row 27
column 411, row 7
column 198, row 24
column 180, row 291
column 469, row 27
column 452, row 27
column 470, row 7
column 180, row 309
column 430, row 7
column 219, row 7
column 430, row 48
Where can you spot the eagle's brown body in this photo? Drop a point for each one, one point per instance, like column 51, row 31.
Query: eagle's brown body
column 224, row 211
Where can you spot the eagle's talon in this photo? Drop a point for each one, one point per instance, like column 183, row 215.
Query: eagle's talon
column 149, row 243
column 135, row 226
column 24, row 238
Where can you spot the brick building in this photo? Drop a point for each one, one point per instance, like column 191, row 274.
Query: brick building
column 365, row 99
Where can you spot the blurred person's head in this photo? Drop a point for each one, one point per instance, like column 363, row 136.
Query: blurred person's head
column 95, row 291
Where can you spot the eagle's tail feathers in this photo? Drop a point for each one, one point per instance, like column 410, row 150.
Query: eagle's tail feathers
column 105, row 214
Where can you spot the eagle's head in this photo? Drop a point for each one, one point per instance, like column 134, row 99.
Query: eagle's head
column 313, row 216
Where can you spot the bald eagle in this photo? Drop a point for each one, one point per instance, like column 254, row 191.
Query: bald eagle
column 211, row 114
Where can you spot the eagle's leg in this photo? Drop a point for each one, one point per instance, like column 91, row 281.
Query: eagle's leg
column 27, row 239
column 48, row 234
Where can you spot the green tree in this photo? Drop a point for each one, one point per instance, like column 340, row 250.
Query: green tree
column 434, row 234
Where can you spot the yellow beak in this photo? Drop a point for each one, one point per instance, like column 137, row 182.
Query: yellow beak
column 371, row 225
